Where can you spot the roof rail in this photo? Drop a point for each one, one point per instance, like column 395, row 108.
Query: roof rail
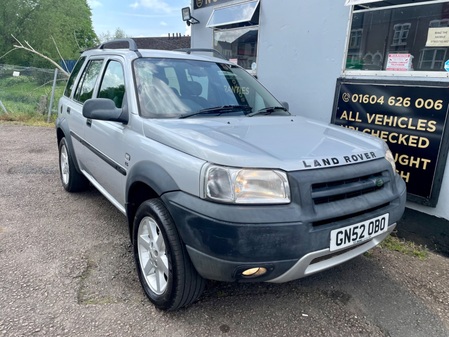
column 132, row 45
column 213, row 51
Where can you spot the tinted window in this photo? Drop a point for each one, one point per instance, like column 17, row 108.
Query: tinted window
column 73, row 75
column 89, row 77
column 113, row 83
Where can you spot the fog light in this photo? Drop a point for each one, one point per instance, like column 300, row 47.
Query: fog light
column 253, row 272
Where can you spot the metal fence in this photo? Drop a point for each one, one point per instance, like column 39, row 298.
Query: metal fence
column 40, row 85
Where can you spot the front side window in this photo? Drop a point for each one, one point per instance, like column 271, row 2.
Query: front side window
column 113, row 83
column 176, row 88
column 405, row 36
column 86, row 86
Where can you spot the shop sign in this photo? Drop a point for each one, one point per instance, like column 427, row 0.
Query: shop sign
column 411, row 118
column 399, row 62
column 359, row 2
column 205, row 3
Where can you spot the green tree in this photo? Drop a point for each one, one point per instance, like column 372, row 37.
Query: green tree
column 48, row 26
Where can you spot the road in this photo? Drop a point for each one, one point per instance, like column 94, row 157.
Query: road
column 66, row 269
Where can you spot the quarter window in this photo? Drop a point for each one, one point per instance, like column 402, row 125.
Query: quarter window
column 73, row 75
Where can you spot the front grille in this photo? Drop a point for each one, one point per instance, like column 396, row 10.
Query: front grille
column 342, row 195
column 348, row 188
column 348, row 216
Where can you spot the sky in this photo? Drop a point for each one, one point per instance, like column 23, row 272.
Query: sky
column 139, row 18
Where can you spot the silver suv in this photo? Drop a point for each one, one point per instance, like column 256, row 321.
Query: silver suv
column 218, row 180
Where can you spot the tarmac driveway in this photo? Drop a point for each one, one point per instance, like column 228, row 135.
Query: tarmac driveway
column 66, row 269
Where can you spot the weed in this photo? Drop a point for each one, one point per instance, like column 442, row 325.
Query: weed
column 405, row 247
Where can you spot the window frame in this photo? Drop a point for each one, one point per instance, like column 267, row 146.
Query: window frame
column 250, row 15
column 434, row 60
column 400, row 35
column 386, row 73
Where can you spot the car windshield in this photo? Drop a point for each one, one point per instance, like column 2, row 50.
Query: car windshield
column 178, row 88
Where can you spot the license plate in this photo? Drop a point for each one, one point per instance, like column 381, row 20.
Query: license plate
column 359, row 232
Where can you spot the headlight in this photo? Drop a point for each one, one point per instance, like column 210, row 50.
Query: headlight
column 389, row 156
column 246, row 186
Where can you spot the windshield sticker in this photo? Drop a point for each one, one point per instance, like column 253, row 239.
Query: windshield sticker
column 235, row 89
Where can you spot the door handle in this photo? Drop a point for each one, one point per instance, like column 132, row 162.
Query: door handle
column 89, row 122
column 68, row 110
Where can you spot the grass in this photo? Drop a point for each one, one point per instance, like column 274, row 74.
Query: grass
column 405, row 247
column 21, row 97
column 28, row 119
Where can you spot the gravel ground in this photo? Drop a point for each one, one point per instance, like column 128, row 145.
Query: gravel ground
column 66, row 269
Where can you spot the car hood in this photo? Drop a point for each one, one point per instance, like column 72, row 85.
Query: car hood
column 287, row 142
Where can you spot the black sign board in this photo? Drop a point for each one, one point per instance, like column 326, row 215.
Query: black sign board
column 411, row 117
column 204, row 3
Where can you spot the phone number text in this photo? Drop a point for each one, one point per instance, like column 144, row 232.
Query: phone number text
column 396, row 101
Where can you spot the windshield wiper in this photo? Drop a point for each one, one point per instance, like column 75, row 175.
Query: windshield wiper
column 267, row 111
column 219, row 110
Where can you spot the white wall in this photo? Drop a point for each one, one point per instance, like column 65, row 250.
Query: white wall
column 301, row 48
column 202, row 37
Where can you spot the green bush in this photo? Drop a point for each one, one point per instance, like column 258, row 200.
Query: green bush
column 22, row 95
column 16, row 80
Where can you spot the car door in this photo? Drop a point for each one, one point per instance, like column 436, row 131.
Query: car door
column 74, row 107
column 105, row 149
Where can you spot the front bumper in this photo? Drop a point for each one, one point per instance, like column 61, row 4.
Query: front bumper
column 290, row 242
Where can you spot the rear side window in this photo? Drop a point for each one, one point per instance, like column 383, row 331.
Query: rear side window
column 89, row 77
column 113, row 83
column 73, row 75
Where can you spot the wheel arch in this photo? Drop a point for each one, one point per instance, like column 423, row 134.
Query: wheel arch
column 146, row 180
column 63, row 131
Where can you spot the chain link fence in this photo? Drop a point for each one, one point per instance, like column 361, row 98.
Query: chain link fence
column 30, row 90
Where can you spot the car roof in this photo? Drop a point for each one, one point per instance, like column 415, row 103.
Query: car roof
column 128, row 49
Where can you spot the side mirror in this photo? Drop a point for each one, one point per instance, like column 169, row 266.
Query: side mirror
column 286, row 105
column 104, row 109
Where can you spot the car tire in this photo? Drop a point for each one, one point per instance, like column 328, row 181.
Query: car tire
column 165, row 271
column 71, row 179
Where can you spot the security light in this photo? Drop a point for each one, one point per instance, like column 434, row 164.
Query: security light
column 187, row 17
